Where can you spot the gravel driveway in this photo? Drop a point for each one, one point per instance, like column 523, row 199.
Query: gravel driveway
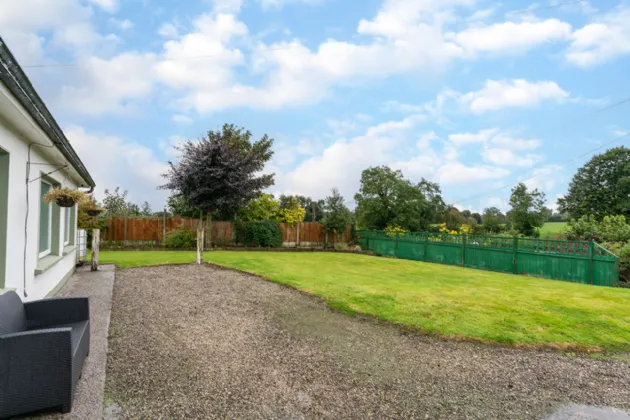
column 199, row 342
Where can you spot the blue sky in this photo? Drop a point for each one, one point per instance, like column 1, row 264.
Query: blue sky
column 475, row 95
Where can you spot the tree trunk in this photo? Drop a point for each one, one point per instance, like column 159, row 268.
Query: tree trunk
column 96, row 239
column 200, row 229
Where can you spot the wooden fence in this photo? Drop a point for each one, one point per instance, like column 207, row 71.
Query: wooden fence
column 135, row 230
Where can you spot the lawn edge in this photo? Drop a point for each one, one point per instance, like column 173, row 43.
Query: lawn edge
column 556, row 347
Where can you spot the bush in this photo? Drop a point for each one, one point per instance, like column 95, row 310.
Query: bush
column 263, row 233
column 622, row 250
column 180, row 238
column 610, row 229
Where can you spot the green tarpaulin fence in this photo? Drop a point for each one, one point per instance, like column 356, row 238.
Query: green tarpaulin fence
column 575, row 261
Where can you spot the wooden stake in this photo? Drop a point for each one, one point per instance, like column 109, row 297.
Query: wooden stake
column 200, row 240
column 297, row 237
column 96, row 239
column 164, row 226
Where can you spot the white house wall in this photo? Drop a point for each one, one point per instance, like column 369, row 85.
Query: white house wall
column 17, row 130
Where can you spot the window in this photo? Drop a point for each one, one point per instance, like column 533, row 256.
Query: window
column 66, row 225
column 45, row 220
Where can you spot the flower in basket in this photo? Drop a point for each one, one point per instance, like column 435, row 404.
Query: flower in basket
column 64, row 196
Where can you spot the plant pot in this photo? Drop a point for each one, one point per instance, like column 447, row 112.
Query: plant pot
column 93, row 212
column 65, row 201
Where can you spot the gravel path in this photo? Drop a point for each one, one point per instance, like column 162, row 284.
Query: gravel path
column 199, row 342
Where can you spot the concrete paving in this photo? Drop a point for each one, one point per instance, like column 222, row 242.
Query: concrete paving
column 98, row 286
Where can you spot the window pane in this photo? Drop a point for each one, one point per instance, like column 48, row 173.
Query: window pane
column 66, row 234
column 44, row 219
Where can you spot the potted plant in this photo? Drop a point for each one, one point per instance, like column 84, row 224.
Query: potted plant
column 64, row 196
column 94, row 210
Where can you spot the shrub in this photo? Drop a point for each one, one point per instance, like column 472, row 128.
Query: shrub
column 222, row 242
column 262, row 233
column 610, row 229
column 180, row 238
column 393, row 230
column 622, row 250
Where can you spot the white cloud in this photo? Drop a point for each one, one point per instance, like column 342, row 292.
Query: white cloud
column 511, row 36
column 168, row 30
column 396, row 106
column 332, row 167
column 472, row 138
column 605, row 39
column 108, row 86
column 266, row 4
column 482, row 14
column 228, row 6
column 426, row 139
column 110, row 6
column 457, row 173
column 546, row 177
column 341, row 126
column 118, row 162
column 507, row 157
column 124, row 24
column 498, row 94
column 182, row 119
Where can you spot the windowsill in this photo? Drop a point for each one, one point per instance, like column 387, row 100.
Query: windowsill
column 43, row 264
column 68, row 249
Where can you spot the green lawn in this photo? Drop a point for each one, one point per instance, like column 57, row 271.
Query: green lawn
column 553, row 227
column 451, row 301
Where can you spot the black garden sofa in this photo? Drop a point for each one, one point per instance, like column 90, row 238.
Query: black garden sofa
column 43, row 345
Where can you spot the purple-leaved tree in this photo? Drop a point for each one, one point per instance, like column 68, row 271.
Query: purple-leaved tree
column 221, row 172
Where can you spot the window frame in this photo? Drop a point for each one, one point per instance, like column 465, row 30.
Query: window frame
column 48, row 251
column 66, row 225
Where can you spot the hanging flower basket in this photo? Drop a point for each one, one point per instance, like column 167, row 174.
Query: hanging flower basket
column 65, row 201
column 63, row 196
column 94, row 211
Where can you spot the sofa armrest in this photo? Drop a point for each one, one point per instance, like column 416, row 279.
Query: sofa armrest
column 35, row 367
column 50, row 312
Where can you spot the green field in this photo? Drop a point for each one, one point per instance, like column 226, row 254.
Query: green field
column 553, row 227
column 451, row 301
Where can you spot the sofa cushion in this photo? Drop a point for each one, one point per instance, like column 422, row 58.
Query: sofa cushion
column 12, row 314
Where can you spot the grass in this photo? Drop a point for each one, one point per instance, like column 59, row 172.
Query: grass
column 553, row 227
column 451, row 301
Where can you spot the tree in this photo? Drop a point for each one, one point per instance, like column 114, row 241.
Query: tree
column 336, row 215
column 178, row 206
column 492, row 220
column 386, row 199
column 220, row 172
column 477, row 218
column 313, row 208
column 546, row 214
column 115, row 202
column 145, row 210
column 466, row 213
column 264, row 207
column 292, row 213
column 601, row 187
column 527, row 209
column 453, row 218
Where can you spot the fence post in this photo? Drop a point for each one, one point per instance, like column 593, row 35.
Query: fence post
column 125, row 231
column 297, row 235
column 515, row 256
column 96, row 239
column 396, row 249
column 463, row 250
column 426, row 245
column 164, row 226
column 591, row 254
